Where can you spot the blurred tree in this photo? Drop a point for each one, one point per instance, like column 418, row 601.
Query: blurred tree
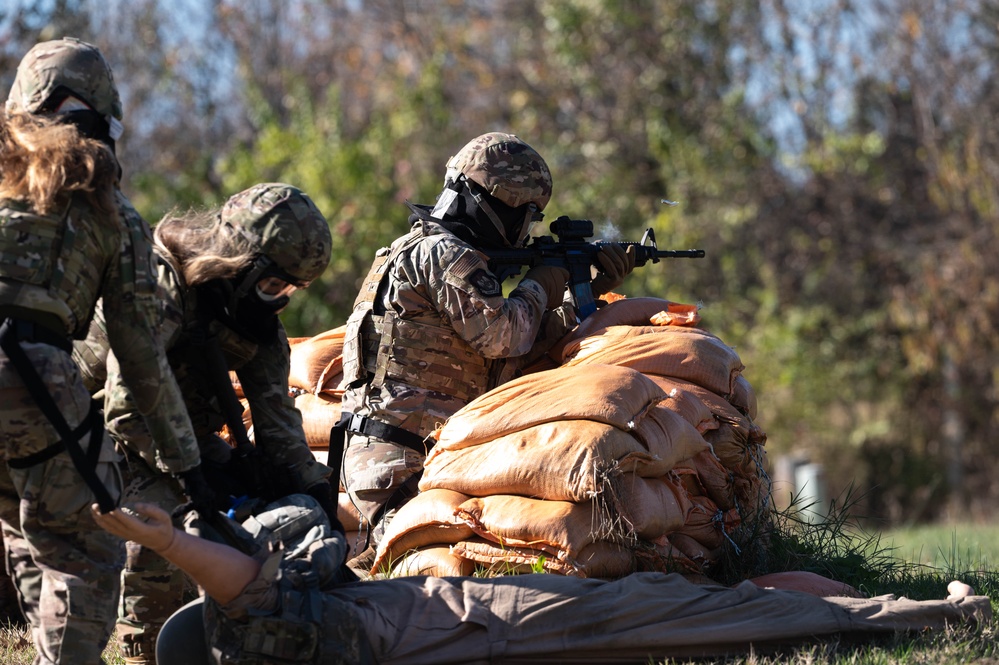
column 837, row 159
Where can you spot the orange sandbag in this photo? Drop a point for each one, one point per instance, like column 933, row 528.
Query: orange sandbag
column 660, row 555
column 685, row 403
column 651, row 507
column 669, row 437
column 743, row 396
column 597, row 560
column 737, row 447
column 433, row 560
column 753, row 492
column 319, row 414
column 624, row 312
column 696, row 552
column 707, row 524
column 802, row 580
column 617, row 396
column 315, row 359
column 356, row 542
column 741, row 403
column 427, row 519
column 690, row 354
column 348, row 515
column 735, row 436
column 567, row 460
column 559, row 529
column 718, row 404
column 715, row 481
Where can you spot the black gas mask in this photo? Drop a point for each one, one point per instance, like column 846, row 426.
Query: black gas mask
column 490, row 222
column 64, row 106
column 250, row 302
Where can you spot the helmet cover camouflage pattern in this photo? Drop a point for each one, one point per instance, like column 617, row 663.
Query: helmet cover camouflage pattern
column 506, row 168
column 70, row 63
column 285, row 225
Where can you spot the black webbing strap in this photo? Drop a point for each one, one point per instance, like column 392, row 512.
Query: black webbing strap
column 232, row 409
column 85, row 462
column 338, row 438
column 350, row 422
column 246, row 460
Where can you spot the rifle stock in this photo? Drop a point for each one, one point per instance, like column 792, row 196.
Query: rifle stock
column 572, row 251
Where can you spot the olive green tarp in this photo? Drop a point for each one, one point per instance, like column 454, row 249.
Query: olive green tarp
column 554, row 619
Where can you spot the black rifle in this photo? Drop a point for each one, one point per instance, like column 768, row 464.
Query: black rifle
column 572, row 252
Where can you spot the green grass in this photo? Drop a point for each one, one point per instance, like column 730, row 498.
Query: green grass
column 16, row 648
column 915, row 562
column 957, row 545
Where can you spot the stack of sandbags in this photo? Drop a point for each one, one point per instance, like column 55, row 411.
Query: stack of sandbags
column 314, row 381
column 604, row 465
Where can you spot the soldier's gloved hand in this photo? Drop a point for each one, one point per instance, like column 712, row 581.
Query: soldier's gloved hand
column 615, row 265
column 322, row 492
column 200, row 494
column 553, row 280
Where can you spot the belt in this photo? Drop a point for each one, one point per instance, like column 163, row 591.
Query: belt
column 351, row 422
column 379, row 430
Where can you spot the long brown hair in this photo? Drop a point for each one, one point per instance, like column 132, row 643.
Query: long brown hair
column 201, row 248
column 42, row 161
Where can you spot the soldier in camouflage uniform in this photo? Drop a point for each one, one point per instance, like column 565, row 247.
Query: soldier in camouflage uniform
column 431, row 329
column 225, row 275
column 62, row 247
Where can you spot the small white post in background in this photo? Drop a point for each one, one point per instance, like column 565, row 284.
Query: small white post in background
column 797, row 477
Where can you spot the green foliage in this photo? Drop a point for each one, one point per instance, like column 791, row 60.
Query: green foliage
column 353, row 181
column 839, row 173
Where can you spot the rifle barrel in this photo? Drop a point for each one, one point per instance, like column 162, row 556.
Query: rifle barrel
column 680, row 253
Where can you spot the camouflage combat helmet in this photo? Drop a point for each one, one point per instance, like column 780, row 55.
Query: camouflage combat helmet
column 66, row 63
column 286, row 226
column 506, row 167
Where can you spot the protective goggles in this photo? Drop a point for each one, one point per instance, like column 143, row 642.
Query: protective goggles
column 270, row 289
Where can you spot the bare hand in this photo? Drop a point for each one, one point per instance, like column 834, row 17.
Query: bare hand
column 957, row 590
column 144, row 523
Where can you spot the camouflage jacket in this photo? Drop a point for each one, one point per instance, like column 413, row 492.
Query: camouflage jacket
column 263, row 375
column 435, row 278
column 95, row 257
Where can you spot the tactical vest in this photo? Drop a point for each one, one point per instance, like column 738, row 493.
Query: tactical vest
column 53, row 264
column 310, row 627
column 379, row 345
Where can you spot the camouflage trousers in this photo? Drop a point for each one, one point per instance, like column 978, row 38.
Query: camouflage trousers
column 66, row 568
column 152, row 588
column 373, row 471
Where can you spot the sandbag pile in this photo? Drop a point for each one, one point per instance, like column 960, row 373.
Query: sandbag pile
column 314, row 381
column 637, row 452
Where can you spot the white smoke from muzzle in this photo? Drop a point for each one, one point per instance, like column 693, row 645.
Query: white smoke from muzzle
column 608, row 231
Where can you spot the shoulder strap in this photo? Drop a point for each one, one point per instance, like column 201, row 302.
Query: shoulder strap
column 85, row 462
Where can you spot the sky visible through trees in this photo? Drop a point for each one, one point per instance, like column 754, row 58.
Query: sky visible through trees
column 836, row 159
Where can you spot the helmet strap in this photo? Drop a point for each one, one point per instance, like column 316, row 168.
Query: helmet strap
column 483, row 204
column 253, row 275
